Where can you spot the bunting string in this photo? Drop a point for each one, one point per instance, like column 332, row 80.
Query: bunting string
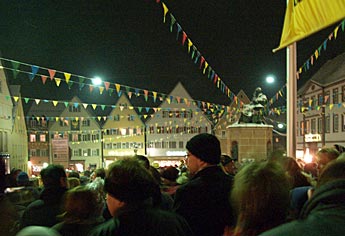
column 317, row 53
column 110, row 87
column 196, row 55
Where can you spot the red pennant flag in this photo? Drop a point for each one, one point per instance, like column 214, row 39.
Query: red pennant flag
column 51, row 73
column 215, row 78
column 184, row 37
column 106, row 84
column 44, row 79
column 202, row 59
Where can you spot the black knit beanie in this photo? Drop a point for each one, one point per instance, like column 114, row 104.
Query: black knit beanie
column 206, row 147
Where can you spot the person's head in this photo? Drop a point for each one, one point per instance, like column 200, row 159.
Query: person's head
column 260, row 196
column 334, row 170
column 228, row 164
column 202, row 150
column 143, row 160
column 128, row 183
column 82, row 203
column 54, row 176
column 72, row 182
column 37, row 231
column 23, row 179
column 74, row 174
column 100, row 172
column 170, row 174
column 325, row 155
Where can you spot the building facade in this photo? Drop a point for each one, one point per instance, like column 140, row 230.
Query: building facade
column 123, row 132
column 321, row 108
column 18, row 140
column 176, row 121
column 75, row 138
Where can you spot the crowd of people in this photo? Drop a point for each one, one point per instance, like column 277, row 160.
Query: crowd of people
column 209, row 194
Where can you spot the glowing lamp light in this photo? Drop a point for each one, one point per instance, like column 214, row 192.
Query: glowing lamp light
column 280, row 126
column 270, row 79
column 97, row 81
column 307, row 157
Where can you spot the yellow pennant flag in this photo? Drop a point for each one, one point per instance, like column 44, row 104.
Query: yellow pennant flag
column 101, row 89
column 189, row 45
column 165, row 9
column 55, row 103
column 117, row 86
column 67, row 77
column 57, row 81
column 306, row 17
column 206, row 65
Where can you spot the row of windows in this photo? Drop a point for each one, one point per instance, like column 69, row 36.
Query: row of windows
column 83, row 137
column 177, row 114
column 326, row 98
column 75, row 123
column 124, row 131
column 39, row 152
column 310, row 125
column 124, row 145
column 86, row 152
column 76, row 137
column 35, row 137
column 71, row 137
column 177, row 130
column 167, row 144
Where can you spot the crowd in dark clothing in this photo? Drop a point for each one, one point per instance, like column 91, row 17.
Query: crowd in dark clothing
column 209, row 194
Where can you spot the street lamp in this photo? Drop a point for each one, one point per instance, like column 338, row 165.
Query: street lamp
column 270, row 79
column 97, row 81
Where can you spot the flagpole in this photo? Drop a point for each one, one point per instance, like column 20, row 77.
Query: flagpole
column 291, row 64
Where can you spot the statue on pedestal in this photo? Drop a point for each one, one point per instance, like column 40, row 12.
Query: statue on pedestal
column 255, row 111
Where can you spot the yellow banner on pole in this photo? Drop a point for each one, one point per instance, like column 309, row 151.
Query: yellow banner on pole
column 306, row 17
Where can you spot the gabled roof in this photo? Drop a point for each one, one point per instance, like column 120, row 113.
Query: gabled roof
column 331, row 72
column 117, row 109
column 45, row 108
column 179, row 91
column 242, row 96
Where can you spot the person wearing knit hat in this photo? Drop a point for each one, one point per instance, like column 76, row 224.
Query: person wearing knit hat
column 205, row 147
column 203, row 201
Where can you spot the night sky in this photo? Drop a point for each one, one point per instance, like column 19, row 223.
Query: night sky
column 126, row 42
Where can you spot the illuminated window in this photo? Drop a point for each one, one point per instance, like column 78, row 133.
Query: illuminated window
column 32, row 138
column 42, row 138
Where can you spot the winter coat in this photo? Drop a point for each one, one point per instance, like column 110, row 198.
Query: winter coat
column 144, row 221
column 323, row 214
column 203, row 202
column 44, row 211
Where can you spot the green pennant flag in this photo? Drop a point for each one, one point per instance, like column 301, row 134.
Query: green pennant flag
column 15, row 66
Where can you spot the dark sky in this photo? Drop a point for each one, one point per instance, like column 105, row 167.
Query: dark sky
column 126, row 42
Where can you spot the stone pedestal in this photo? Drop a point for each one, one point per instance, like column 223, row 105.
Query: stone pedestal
column 251, row 142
